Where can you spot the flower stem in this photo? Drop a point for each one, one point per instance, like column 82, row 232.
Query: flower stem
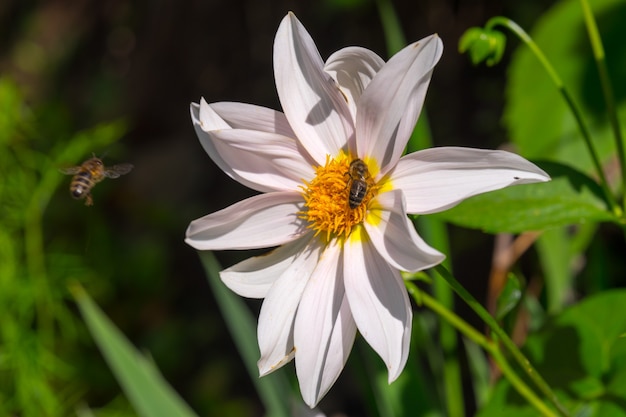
column 434, row 231
column 492, row 348
column 524, row 37
column 517, row 354
column 607, row 89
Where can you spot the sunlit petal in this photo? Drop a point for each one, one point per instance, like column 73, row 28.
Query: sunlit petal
column 251, row 117
column 206, row 120
column 324, row 329
column 270, row 161
column 439, row 178
column 394, row 236
column 379, row 303
column 276, row 320
column 310, row 98
column 389, row 107
column 254, row 277
column 261, row 221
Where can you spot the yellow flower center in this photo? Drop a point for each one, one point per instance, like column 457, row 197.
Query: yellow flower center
column 331, row 197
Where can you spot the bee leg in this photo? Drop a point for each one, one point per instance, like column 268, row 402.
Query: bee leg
column 88, row 200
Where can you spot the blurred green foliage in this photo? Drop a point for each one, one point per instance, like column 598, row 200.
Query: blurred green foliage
column 39, row 332
column 582, row 356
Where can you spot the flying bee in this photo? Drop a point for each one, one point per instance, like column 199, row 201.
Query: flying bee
column 89, row 173
column 358, row 182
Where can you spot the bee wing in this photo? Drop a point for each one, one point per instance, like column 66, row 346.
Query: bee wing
column 117, row 170
column 70, row 170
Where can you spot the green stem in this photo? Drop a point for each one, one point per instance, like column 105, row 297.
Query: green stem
column 434, row 231
column 391, row 26
column 524, row 37
column 492, row 348
column 607, row 89
column 517, row 354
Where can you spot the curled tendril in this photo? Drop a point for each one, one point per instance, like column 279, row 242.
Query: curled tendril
column 483, row 45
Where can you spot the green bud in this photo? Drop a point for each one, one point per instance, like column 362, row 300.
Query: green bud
column 483, row 45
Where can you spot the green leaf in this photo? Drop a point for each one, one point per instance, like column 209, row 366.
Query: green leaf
column 582, row 357
column 571, row 197
column 13, row 110
column 510, row 296
column 147, row 390
column 558, row 249
column 273, row 389
column 537, row 118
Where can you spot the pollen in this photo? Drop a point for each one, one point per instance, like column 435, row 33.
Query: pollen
column 327, row 208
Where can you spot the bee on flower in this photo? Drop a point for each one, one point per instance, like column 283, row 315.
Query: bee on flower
column 341, row 226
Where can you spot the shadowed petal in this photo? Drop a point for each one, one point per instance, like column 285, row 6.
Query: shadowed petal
column 251, row 117
column 261, row 221
column 206, row 120
column 378, row 301
column 392, row 102
column 436, row 179
column 312, row 102
column 394, row 236
column 324, row 330
column 276, row 320
column 254, row 277
column 268, row 160
column 353, row 68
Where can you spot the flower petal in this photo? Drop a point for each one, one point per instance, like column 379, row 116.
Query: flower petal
column 276, row 320
column 251, row 117
column 392, row 102
column 311, row 100
column 439, row 178
column 261, row 221
column 324, row 329
column 254, row 276
column 206, row 120
column 270, row 161
column 353, row 68
column 378, row 301
column 394, row 236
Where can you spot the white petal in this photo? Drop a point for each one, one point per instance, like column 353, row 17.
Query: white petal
column 394, row 236
column 392, row 102
column 206, row 120
column 353, row 68
column 276, row 320
column 251, row 117
column 439, row 178
column 311, row 100
column 261, row 221
column 379, row 303
column 324, row 330
column 270, row 161
column 254, row 277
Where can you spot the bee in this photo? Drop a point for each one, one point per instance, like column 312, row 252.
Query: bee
column 358, row 182
column 89, row 173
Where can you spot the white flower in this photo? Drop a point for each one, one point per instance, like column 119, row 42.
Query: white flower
column 336, row 269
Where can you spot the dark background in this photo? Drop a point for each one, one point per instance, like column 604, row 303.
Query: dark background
column 89, row 62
